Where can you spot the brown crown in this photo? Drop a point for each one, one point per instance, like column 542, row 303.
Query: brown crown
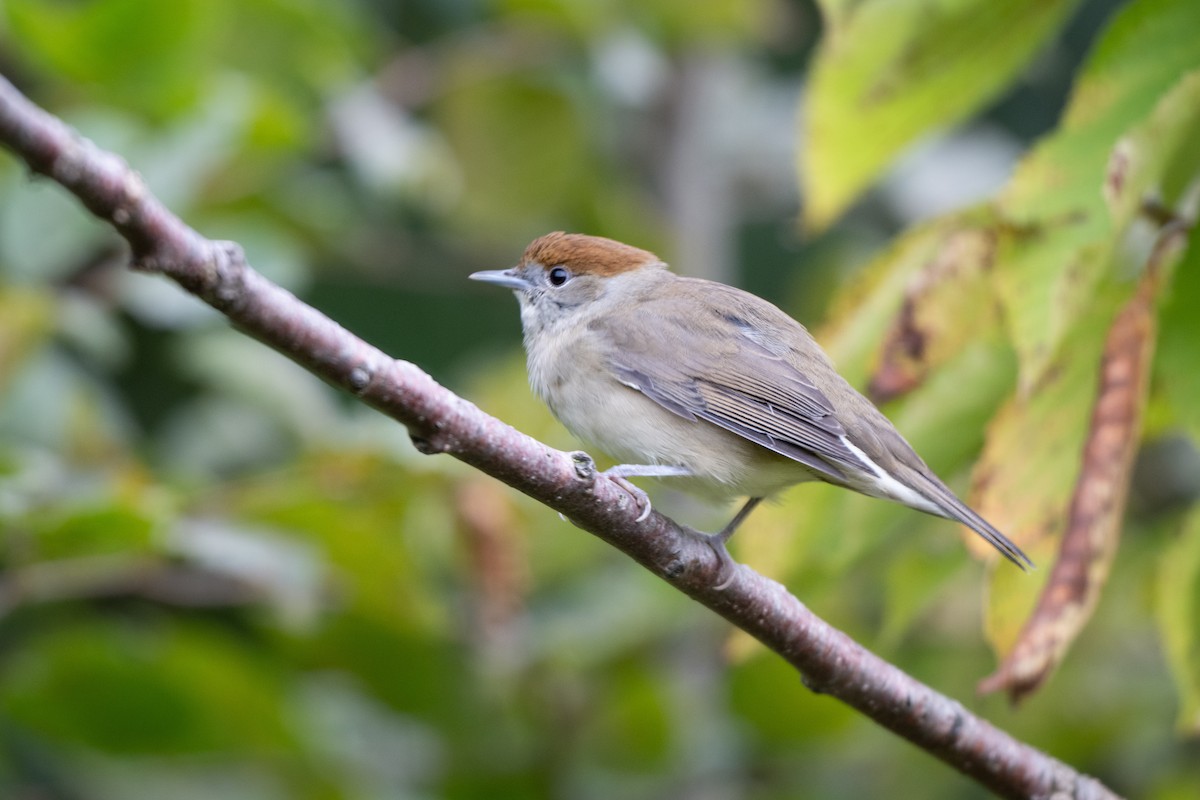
column 583, row 254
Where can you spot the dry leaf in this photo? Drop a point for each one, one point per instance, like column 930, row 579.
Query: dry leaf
column 946, row 304
column 1097, row 507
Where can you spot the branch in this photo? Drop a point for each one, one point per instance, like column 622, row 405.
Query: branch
column 441, row 422
column 109, row 576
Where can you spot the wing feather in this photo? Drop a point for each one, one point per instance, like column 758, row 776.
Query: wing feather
column 738, row 383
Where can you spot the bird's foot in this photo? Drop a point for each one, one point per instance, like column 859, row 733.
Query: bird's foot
column 585, row 468
column 726, row 566
column 622, row 472
column 639, row 495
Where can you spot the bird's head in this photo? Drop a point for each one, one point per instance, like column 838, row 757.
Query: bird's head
column 563, row 274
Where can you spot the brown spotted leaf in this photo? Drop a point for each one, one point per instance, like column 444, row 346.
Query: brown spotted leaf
column 1093, row 521
column 947, row 304
column 861, row 311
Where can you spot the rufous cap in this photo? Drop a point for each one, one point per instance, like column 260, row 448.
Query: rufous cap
column 588, row 255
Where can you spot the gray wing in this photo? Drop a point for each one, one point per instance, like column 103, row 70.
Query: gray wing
column 739, row 383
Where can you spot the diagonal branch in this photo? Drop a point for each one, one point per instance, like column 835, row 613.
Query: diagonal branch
column 441, row 422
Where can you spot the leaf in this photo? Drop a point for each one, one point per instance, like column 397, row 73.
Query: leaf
column 44, row 234
column 1161, row 156
column 887, row 72
column 948, row 303
column 1060, row 235
column 1093, row 523
column 105, row 530
column 349, row 509
column 108, row 45
column 861, row 311
column 1177, row 604
column 681, row 23
column 1176, row 376
column 631, row 724
column 1023, row 479
column 121, row 688
column 1177, row 601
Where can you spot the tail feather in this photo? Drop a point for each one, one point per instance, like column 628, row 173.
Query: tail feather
column 953, row 508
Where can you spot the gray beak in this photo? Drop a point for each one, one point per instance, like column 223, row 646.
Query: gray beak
column 507, row 278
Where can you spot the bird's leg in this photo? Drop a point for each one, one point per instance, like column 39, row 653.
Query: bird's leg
column 622, row 472
column 586, row 467
column 717, row 542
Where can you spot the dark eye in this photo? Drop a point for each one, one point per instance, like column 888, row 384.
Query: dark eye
column 559, row 276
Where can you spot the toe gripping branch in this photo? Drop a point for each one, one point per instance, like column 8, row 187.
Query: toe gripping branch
column 585, row 468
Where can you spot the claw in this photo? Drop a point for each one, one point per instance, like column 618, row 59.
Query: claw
column 639, row 496
column 585, row 469
column 727, row 567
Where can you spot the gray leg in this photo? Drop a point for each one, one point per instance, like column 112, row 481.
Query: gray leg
column 621, row 472
column 717, row 542
column 647, row 471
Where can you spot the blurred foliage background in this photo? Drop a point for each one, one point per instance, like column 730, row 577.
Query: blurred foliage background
column 218, row 577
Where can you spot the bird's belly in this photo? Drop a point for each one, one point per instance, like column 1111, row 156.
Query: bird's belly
column 633, row 429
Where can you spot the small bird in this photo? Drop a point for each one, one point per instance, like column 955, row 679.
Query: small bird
column 709, row 387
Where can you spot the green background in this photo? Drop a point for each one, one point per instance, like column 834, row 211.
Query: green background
column 219, row 577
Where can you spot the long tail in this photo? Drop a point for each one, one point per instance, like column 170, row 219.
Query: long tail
column 952, row 508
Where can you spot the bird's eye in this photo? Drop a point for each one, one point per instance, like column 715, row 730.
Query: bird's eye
column 559, row 276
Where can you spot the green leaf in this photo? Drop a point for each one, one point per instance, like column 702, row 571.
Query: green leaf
column 111, row 44
column 424, row 674
column 1060, row 236
column 631, row 725
column 1178, row 607
column 777, row 708
column 888, row 72
column 679, row 22
column 1161, row 155
column 160, row 57
column 685, row 23
column 1178, row 582
column 121, row 688
column 353, row 509
column 946, row 306
column 1176, row 376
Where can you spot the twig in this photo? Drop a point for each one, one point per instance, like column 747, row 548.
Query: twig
column 111, row 576
column 441, row 422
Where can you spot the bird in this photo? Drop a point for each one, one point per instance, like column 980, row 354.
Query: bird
column 705, row 386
